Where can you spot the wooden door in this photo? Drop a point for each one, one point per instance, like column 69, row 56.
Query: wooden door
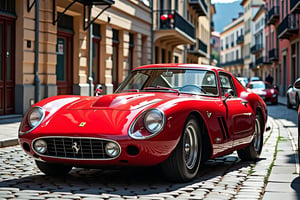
column 7, row 68
column 64, row 72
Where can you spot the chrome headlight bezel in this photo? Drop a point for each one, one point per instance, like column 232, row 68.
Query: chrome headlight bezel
column 35, row 116
column 148, row 124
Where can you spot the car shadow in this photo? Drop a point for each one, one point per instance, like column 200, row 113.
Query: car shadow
column 295, row 185
column 126, row 181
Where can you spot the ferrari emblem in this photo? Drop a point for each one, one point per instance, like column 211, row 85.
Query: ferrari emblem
column 208, row 114
column 82, row 124
column 76, row 147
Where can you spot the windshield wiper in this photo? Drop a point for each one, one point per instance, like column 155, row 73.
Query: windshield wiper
column 162, row 88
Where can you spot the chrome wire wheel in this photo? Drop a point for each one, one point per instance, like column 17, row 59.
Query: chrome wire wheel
column 257, row 135
column 190, row 146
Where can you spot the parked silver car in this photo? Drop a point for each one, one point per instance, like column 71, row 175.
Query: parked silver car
column 293, row 96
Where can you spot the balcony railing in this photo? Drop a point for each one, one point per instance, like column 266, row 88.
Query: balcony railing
column 200, row 51
column 172, row 20
column 240, row 39
column 231, row 63
column 295, row 6
column 273, row 15
column 252, row 65
column 199, row 6
column 273, row 54
column 288, row 27
column 256, row 48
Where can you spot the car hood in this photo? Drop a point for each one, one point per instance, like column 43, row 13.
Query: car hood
column 118, row 102
column 105, row 115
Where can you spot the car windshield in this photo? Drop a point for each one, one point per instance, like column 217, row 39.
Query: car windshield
column 171, row 80
column 259, row 85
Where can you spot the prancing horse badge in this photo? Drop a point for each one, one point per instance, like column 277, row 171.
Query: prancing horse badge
column 82, row 124
column 208, row 114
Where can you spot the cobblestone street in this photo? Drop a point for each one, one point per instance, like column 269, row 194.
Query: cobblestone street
column 222, row 178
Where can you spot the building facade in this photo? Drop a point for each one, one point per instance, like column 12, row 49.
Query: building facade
column 283, row 37
column 232, row 47
column 261, row 66
column 68, row 47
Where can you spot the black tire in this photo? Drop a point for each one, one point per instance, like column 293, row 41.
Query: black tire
column 288, row 103
column 183, row 164
column 253, row 150
column 297, row 102
column 52, row 169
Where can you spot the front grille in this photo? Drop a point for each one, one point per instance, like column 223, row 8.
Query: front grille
column 76, row 148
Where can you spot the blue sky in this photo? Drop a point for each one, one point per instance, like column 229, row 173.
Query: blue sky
column 223, row 1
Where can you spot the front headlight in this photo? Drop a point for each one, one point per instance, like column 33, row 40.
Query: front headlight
column 35, row 116
column 148, row 124
column 154, row 121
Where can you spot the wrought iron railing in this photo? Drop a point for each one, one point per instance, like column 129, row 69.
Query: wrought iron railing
column 172, row 20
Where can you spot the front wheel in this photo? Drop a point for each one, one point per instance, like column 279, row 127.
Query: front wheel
column 52, row 169
column 183, row 164
column 252, row 152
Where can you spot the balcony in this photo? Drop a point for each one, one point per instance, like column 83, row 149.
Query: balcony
column 232, row 63
column 257, row 48
column 263, row 60
column 295, row 6
column 273, row 15
column 240, row 39
column 288, row 27
column 201, row 51
column 273, row 55
column 170, row 27
column 199, row 6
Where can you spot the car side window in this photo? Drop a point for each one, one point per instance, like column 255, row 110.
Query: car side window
column 226, row 83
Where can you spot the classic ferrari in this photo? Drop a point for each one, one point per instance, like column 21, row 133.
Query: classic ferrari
column 174, row 116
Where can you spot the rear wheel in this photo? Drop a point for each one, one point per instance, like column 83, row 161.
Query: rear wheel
column 183, row 164
column 252, row 152
column 52, row 169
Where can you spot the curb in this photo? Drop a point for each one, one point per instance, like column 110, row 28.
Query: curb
column 9, row 142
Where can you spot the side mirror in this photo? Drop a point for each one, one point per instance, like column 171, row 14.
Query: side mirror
column 98, row 90
column 228, row 94
column 297, row 83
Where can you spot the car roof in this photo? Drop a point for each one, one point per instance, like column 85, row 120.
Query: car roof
column 180, row 65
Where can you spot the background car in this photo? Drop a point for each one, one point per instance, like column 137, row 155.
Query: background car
column 244, row 81
column 175, row 116
column 297, row 86
column 293, row 96
column 265, row 90
column 255, row 78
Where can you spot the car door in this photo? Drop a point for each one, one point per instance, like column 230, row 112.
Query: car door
column 238, row 115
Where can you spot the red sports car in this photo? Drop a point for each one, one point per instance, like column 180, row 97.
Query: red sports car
column 172, row 115
column 265, row 90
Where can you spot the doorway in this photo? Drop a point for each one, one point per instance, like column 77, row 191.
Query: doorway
column 7, row 66
column 64, row 63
